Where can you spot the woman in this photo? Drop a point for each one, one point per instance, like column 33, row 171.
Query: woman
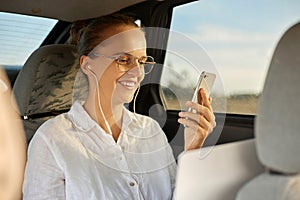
column 99, row 149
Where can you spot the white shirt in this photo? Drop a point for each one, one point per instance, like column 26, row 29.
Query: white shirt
column 71, row 157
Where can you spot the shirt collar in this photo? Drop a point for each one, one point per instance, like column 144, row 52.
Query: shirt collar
column 127, row 118
column 84, row 122
column 80, row 117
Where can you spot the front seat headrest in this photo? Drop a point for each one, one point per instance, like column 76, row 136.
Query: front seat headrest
column 277, row 124
column 44, row 86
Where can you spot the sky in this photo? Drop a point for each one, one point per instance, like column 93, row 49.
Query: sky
column 20, row 35
column 238, row 36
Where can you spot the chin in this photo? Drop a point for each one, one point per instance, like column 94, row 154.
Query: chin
column 124, row 99
column 128, row 100
column 123, row 96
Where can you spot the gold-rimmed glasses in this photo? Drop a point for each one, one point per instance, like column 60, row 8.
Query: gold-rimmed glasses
column 127, row 61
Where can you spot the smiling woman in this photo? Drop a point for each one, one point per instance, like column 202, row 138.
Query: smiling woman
column 99, row 149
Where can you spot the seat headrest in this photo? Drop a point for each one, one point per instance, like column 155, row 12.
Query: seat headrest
column 277, row 127
column 45, row 83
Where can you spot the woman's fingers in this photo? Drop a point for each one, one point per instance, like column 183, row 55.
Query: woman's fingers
column 205, row 99
column 202, row 110
column 195, row 117
column 200, row 122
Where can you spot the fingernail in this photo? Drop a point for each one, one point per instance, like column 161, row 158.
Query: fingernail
column 3, row 86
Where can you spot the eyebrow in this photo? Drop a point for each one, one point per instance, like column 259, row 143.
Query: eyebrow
column 125, row 53
column 120, row 53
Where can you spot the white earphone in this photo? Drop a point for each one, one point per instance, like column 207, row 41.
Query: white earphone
column 99, row 103
column 89, row 68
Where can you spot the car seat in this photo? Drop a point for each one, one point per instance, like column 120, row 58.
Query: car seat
column 44, row 86
column 277, row 126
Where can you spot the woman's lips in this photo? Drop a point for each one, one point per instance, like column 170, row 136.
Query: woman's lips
column 128, row 84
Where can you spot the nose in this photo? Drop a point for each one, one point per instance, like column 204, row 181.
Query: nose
column 136, row 70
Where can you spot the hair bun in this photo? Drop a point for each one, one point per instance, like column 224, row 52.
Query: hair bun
column 76, row 30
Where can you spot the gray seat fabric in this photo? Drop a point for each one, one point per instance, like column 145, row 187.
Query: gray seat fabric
column 44, row 86
column 277, row 126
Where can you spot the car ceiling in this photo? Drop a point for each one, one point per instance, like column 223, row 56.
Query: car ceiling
column 64, row 9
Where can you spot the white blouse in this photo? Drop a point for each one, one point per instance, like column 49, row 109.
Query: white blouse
column 71, row 157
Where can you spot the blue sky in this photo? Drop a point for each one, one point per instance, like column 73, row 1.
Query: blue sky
column 238, row 36
column 249, row 15
column 20, row 35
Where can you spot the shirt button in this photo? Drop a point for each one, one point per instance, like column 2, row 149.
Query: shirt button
column 131, row 184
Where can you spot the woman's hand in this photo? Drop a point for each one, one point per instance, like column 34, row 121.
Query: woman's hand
column 198, row 124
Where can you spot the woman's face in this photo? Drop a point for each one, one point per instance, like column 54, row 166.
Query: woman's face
column 115, row 85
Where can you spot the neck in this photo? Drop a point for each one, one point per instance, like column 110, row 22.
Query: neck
column 112, row 114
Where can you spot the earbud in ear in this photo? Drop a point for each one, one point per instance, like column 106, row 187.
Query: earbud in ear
column 89, row 68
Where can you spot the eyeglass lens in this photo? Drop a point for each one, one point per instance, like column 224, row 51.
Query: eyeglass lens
column 127, row 62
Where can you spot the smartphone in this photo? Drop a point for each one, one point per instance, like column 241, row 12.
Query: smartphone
column 205, row 81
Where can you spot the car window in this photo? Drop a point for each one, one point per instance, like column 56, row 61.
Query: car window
column 20, row 35
column 238, row 36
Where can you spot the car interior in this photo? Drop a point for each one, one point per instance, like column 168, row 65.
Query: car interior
column 252, row 154
column 43, row 88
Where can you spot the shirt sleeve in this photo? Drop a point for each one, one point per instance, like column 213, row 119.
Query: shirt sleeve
column 44, row 179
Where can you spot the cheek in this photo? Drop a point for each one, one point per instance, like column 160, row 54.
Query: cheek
column 141, row 78
column 101, row 68
column 109, row 81
column 109, row 77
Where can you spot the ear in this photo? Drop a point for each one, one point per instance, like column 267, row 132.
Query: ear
column 83, row 64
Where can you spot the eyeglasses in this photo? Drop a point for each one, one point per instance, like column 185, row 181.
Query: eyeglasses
column 127, row 61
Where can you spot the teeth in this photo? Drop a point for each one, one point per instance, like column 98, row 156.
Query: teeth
column 128, row 84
